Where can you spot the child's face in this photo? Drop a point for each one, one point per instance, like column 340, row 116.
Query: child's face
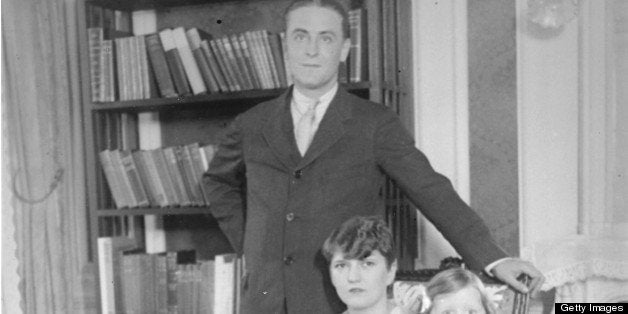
column 361, row 284
column 466, row 300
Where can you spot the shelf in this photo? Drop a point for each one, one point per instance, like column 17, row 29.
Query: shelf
column 152, row 211
column 132, row 5
column 209, row 99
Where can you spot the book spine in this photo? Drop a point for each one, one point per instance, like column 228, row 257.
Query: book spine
column 224, row 65
column 271, row 60
column 213, row 65
column 171, row 268
column 206, row 72
column 157, row 57
column 94, row 43
column 137, row 186
column 282, row 36
column 112, row 180
column 255, row 57
column 105, row 272
column 250, row 63
column 189, row 63
column 161, row 284
column 225, row 46
column 175, row 174
column 125, row 183
column 174, row 63
column 149, row 186
column 161, row 197
column 191, row 176
column 242, row 64
column 275, row 47
column 164, row 176
column 257, row 36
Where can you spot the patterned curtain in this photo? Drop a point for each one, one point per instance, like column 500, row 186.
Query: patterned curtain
column 44, row 267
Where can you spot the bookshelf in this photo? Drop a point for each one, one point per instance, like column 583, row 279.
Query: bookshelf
column 114, row 124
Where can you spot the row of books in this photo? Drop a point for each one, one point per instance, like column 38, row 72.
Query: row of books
column 169, row 176
column 179, row 62
column 132, row 281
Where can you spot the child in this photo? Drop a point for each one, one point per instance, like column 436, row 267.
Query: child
column 458, row 290
column 362, row 264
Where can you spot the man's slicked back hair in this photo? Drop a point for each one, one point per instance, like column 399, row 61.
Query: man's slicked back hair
column 330, row 4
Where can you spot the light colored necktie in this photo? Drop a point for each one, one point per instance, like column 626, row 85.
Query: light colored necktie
column 304, row 130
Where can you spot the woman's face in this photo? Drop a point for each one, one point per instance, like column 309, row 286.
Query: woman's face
column 464, row 301
column 361, row 284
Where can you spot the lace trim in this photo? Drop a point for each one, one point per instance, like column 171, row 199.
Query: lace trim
column 586, row 269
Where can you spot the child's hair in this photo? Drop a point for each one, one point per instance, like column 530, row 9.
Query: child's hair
column 358, row 237
column 455, row 279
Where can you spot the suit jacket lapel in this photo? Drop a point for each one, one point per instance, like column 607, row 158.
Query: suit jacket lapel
column 331, row 128
column 278, row 131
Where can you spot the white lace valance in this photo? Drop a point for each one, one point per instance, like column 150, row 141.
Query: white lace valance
column 578, row 258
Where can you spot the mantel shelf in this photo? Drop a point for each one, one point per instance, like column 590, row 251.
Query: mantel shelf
column 208, row 99
column 153, row 211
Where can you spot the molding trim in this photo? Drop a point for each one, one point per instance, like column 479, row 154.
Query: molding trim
column 441, row 128
column 597, row 105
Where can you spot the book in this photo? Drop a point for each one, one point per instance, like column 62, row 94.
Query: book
column 225, row 45
column 224, row 64
column 259, row 43
column 207, row 286
column 176, row 176
column 277, row 52
column 132, row 282
column 111, row 176
column 153, row 174
column 242, row 62
column 161, row 283
column 125, row 182
column 94, row 45
column 198, row 168
column 137, row 185
column 213, row 65
column 269, row 55
column 157, row 57
column 184, row 157
column 110, row 272
column 257, row 60
column 194, row 38
column 250, row 63
column 175, row 64
column 149, row 185
column 358, row 51
column 224, row 283
column 282, row 36
column 107, row 88
column 164, row 176
column 189, row 63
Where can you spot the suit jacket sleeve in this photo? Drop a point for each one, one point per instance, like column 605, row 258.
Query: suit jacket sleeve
column 433, row 194
column 224, row 182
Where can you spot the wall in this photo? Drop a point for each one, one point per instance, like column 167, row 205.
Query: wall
column 493, row 117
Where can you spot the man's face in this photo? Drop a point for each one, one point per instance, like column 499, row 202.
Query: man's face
column 361, row 284
column 315, row 47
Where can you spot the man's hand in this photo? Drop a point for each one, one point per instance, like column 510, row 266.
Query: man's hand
column 510, row 269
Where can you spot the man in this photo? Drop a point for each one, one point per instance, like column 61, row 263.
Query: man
column 313, row 158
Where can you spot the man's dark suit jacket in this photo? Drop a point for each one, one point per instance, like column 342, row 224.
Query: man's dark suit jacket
column 293, row 203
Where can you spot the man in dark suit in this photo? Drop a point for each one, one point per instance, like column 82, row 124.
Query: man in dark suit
column 313, row 158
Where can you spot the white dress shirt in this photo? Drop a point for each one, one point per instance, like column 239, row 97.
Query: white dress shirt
column 300, row 103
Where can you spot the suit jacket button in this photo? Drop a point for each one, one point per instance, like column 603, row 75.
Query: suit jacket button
column 298, row 174
column 288, row 260
column 290, row 217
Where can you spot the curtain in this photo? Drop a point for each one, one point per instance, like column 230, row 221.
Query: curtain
column 43, row 182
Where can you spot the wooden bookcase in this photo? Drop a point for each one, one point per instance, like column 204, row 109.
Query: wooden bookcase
column 199, row 118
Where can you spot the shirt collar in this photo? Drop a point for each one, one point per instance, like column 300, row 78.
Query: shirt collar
column 303, row 102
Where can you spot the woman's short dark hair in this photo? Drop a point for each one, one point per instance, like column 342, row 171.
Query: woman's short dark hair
column 358, row 237
column 330, row 4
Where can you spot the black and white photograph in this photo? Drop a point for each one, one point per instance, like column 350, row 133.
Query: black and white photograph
column 314, row 156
